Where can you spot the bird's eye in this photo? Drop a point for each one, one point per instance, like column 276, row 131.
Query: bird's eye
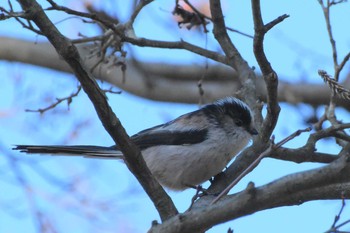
column 238, row 122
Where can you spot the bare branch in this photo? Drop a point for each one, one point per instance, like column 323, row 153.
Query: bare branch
column 334, row 2
column 327, row 182
column 331, row 131
column 274, row 22
column 55, row 6
column 268, row 151
column 125, row 32
column 330, row 110
column 342, row 64
column 69, row 100
column 18, row 16
column 326, row 13
column 143, row 42
column 109, row 120
column 320, row 183
column 270, row 76
column 88, row 39
column 302, row 155
column 335, row 228
column 337, row 217
column 222, row 37
column 138, row 9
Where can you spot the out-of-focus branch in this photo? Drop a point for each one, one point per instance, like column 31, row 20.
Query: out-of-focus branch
column 219, row 82
column 111, row 123
column 42, row 224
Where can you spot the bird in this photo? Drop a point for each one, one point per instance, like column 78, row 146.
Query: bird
column 184, row 152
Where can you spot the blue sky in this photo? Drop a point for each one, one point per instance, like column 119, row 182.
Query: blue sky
column 296, row 48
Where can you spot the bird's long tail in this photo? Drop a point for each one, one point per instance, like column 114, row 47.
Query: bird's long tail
column 85, row 151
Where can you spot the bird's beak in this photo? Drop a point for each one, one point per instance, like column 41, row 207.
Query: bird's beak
column 252, row 131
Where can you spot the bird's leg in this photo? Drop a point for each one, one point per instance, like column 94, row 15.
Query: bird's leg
column 199, row 189
column 200, row 192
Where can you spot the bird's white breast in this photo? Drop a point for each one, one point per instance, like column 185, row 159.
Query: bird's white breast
column 181, row 166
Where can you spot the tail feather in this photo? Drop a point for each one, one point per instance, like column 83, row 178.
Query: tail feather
column 85, row 151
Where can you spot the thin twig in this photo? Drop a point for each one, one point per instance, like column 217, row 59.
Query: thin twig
column 88, row 39
column 335, row 130
column 69, row 100
column 138, row 9
column 18, row 16
column 110, row 90
column 341, row 65
column 143, row 42
column 334, row 228
column 326, row 13
column 337, row 217
column 55, row 6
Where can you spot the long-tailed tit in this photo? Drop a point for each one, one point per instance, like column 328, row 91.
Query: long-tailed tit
column 184, row 152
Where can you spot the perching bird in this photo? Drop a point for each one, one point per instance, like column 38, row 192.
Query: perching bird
column 184, row 152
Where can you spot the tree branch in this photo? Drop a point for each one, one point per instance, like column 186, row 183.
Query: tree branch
column 143, row 42
column 235, row 60
column 295, row 189
column 132, row 154
column 69, row 100
column 245, row 74
column 330, row 110
column 302, row 155
column 270, row 76
column 251, row 166
column 326, row 13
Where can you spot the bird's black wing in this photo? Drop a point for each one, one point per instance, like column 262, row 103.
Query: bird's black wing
column 152, row 137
